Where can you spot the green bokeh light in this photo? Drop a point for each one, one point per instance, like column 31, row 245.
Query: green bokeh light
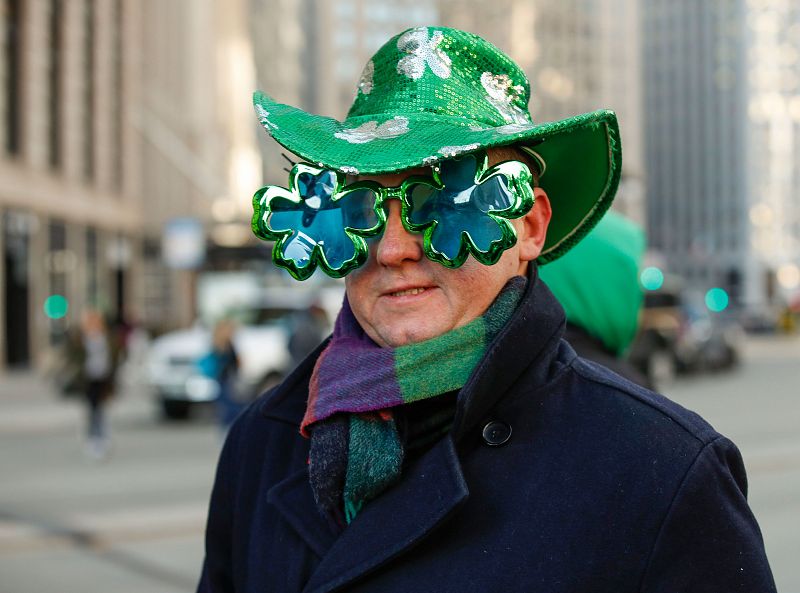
column 56, row 306
column 652, row 278
column 717, row 300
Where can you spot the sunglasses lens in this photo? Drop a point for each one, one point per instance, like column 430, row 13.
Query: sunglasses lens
column 319, row 186
column 424, row 205
column 458, row 211
column 318, row 221
column 358, row 208
column 493, row 195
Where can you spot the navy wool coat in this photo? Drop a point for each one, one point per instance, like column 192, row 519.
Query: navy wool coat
column 558, row 476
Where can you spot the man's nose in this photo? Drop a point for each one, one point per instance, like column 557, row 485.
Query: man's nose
column 397, row 246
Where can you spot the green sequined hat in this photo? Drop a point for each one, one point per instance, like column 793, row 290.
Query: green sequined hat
column 432, row 93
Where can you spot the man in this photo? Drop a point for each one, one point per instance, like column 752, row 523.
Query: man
column 446, row 438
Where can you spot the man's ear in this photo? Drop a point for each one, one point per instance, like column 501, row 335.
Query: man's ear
column 532, row 232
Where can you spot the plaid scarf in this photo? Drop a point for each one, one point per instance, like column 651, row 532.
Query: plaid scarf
column 356, row 451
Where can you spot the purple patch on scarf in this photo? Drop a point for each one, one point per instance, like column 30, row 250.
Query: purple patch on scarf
column 355, row 369
column 353, row 364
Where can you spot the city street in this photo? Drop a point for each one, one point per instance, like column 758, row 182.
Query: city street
column 134, row 522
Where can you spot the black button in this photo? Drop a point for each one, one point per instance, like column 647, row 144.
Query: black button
column 496, row 433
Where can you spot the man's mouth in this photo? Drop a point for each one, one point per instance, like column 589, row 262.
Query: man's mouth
column 408, row 292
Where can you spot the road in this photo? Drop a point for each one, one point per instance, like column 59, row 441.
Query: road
column 134, row 522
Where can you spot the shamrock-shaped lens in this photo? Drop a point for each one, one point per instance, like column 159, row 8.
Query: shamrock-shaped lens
column 316, row 223
column 466, row 210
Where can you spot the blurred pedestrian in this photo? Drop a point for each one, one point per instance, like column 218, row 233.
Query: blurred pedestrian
column 97, row 354
column 597, row 283
column 221, row 365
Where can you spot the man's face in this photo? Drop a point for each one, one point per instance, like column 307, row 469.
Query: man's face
column 399, row 296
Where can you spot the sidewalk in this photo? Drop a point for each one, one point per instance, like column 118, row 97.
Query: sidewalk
column 30, row 402
column 130, row 523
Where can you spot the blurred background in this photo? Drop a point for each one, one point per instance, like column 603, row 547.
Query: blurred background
column 129, row 154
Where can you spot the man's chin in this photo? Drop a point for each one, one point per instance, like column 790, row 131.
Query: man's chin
column 409, row 333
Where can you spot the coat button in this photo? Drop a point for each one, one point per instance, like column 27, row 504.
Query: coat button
column 496, row 433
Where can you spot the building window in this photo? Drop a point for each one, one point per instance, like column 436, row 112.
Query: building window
column 118, row 95
column 12, row 42
column 88, row 90
column 54, row 80
column 16, row 229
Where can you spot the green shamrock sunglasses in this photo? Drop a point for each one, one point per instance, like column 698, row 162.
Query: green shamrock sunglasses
column 463, row 208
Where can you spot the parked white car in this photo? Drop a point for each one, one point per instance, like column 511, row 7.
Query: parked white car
column 261, row 342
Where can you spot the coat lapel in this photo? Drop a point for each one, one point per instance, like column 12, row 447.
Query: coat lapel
column 431, row 489
column 295, row 501
column 293, row 496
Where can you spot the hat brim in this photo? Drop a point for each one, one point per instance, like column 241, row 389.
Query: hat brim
column 582, row 154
